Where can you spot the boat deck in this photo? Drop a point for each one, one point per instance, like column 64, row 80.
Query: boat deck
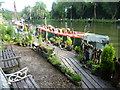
column 89, row 80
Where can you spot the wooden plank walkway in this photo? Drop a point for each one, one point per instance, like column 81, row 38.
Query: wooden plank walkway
column 89, row 80
column 8, row 60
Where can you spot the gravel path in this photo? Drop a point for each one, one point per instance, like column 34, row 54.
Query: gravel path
column 43, row 72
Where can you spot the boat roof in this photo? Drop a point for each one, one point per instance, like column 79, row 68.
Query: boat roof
column 96, row 38
column 90, row 37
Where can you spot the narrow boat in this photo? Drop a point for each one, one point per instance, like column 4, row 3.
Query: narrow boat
column 98, row 41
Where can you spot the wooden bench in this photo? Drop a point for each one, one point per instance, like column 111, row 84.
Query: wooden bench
column 8, row 59
column 3, row 81
column 20, row 80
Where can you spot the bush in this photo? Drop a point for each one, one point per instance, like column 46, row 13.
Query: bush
column 107, row 64
column 69, row 71
column 49, row 51
column 40, row 39
column 10, row 30
column 7, row 34
column 25, row 28
column 63, row 69
column 76, row 77
column 52, row 40
column 59, row 40
column 90, row 63
column 77, row 49
column 68, row 41
column 80, row 57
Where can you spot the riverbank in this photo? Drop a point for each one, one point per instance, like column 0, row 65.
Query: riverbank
column 85, row 20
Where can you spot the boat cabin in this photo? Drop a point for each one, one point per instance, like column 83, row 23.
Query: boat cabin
column 98, row 41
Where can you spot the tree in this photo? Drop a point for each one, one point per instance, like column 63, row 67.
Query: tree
column 26, row 12
column 111, row 8
column 38, row 11
column 78, row 10
column 7, row 15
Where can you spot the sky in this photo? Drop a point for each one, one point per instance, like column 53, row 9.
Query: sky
column 20, row 4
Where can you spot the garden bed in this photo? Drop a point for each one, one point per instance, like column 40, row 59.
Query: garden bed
column 56, row 62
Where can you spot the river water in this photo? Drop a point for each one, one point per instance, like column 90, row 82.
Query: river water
column 109, row 29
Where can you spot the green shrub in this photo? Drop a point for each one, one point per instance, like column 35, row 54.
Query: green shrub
column 32, row 30
column 59, row 39
column 10, row 30
column 40, row 39
column 107, row 64
column 2, row 31
column 80, row 57
column 25, row 28
column 55, row 60
column 63, row 69
column 7, row 34
column 76, row 77
column 77, row 49
column 90, row 62
column 69, row 71
column 68, row 41
column 7, row 38
column 52, row 39
column 49, row 51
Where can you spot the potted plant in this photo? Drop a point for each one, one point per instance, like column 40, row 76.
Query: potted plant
column 68, row 43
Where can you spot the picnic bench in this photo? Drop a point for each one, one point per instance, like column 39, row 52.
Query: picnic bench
column 8, row 59
column 17, row 80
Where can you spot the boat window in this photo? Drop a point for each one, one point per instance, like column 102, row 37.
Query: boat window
column 98, row 45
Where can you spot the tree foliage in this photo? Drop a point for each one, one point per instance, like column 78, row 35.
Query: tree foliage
column 77, row 10
column 7, row 15
column 38, row 11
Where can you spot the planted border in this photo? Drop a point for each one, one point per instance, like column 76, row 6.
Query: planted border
column 57, row 63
